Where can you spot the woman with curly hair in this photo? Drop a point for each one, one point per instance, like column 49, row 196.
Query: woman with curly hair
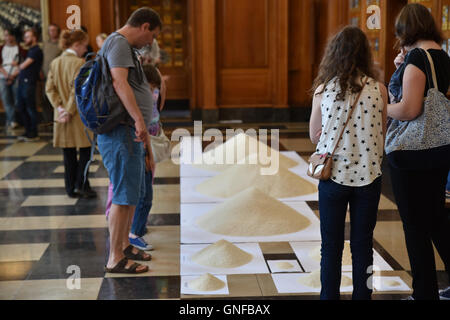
column 347, row 76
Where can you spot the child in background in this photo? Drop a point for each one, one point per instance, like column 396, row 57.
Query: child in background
column 138, row 227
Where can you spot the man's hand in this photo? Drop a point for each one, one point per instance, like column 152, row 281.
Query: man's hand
column 3, row 71
column 141, row 131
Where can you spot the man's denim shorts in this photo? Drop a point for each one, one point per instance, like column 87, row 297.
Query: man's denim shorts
column 125, row 161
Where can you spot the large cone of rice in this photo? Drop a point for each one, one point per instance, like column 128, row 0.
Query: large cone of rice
column 313, row 280
column 222, row 254
column 236, row 179
column 252, row 213
column 243, row 149
column 206, row 282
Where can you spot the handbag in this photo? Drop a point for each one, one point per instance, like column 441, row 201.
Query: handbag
column 320, row 165
column 160, row 146
column 429, row 130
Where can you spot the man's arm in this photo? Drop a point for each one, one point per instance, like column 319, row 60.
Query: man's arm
column 126, row 95
column 25, row 64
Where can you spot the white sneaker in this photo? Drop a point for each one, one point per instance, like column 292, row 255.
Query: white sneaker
column 444, row 294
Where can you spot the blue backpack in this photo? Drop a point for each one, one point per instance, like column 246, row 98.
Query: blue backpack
column 99, row 106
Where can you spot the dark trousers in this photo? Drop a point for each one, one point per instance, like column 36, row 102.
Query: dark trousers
column 26, row 106
column 74, row 168
column 47, row 109
column 420, row 197
column 333, row 202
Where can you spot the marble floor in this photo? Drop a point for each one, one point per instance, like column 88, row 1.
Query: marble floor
column 44, row 234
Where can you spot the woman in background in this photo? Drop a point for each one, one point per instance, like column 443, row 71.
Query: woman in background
column 68, row 130
column 419, row 177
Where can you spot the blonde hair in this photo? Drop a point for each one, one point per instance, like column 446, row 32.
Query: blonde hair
column 103, row 36
column 68, row 38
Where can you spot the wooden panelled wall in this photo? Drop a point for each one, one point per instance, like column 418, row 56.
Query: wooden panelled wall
column 96, row 15
column 246, row 57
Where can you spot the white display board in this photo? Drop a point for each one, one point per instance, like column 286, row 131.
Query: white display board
column 379, row 284
column 288, row 283
column 189, row 170
column 189, row 267
column 190, row 195
column 192, row 233
column 303, row 249
column 185, row 289
column 274, row 266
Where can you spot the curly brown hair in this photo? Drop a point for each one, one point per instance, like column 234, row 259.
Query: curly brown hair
column 347, row 57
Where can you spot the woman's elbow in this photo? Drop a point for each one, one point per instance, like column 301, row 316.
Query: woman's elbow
column 411, row 114
column 406, row 111
column 314, row 136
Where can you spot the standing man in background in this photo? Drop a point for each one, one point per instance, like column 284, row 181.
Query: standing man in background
column 9, row 53
column 51, row 50
column 29, row 74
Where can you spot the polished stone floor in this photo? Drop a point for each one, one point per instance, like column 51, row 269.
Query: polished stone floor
column 43, row 232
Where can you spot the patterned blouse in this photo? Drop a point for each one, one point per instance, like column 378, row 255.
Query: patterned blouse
column 358, row 157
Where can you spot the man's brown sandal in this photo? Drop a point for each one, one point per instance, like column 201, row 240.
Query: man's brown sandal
column 136, row 256
column 120, row 267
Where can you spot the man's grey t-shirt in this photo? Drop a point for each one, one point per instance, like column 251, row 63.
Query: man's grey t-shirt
column 118, row 54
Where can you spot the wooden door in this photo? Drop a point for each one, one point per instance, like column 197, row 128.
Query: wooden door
column 252, row 53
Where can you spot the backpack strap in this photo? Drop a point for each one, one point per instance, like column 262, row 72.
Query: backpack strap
column 136, row 62
column 91, row 158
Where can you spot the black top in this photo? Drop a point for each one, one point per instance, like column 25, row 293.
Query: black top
column 31, row 73
column 432, row 158
column 441, row 62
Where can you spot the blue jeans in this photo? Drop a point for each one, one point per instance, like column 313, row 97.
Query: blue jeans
column 26, row 106
column 143, row 208
column 333, row 201
column 9, row 96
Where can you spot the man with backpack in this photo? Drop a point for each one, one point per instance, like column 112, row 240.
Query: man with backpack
column 122, row 148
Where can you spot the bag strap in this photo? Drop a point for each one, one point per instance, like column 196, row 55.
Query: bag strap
column 352, row 108
column 432, row 80
column 433, row 70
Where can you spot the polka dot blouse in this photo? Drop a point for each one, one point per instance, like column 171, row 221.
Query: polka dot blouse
column 358, row 157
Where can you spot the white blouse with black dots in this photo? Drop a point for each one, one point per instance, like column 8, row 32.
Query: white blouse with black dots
column 358, row 157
